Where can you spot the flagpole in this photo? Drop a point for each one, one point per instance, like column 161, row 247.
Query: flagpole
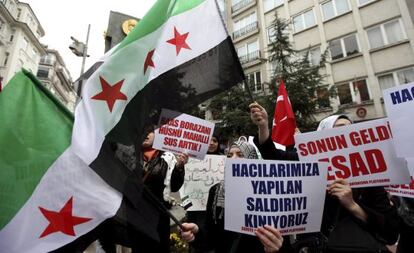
column 163, row 208
column 249, row 92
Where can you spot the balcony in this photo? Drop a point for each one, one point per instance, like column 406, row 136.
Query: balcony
column 255, row 55
column 245, row 30
column 240, row 5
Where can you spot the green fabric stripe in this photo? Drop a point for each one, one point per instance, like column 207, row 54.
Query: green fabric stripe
column 157, row 16
column 35, row 130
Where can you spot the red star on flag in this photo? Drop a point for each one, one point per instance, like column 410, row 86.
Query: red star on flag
column 148, row 61
column 110, row 93
column 62, row 221
column 179, row 41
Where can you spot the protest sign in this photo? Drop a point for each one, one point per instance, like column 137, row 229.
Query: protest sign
column 362, row 153
column 183, row 133
column 200, row 175
column 399, row 103
column 404, row 190
column 285, row 195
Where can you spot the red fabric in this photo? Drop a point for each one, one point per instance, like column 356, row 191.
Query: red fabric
column 284, row 122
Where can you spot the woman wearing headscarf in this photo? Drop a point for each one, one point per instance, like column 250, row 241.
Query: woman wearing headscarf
column 199, row 217
column 354, row 220
column 222, row 241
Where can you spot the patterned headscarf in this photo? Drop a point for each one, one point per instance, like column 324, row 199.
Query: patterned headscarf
column 249, row 152
column 247, row 149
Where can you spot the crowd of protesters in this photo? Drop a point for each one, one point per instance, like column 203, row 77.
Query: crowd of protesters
column 360, row 220
column 354, row 220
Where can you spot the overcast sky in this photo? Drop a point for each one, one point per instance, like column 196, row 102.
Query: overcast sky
column 64, row 18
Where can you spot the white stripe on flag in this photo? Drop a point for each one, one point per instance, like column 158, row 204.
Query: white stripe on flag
column 93, row 120
column 68, row 177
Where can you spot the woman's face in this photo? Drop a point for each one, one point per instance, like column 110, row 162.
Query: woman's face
column 235, row 152
column 213, row 145
column 149, row 140
column 342, row 122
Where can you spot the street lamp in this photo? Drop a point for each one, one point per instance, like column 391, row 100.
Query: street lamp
column 80, row 49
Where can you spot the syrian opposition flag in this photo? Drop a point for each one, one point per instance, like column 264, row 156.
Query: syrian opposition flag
column 178, row 55
column 48, row 195
column 284, row 122
column 54, row 190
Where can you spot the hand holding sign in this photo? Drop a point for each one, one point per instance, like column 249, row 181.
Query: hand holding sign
column 182, row 159
column 270, row 237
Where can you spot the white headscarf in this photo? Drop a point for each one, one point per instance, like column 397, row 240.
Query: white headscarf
column 329, row 122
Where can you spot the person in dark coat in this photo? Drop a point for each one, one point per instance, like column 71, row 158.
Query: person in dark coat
column 222, row 241
column 406, row 212
column 199, row 217
column 354, row 220
column 163, row 174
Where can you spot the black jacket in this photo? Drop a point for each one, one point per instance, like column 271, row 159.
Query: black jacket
column 221, row 240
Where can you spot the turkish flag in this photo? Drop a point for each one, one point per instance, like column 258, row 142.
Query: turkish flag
column 284, row 123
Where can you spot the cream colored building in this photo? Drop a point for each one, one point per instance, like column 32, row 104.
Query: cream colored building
column 52, row 72
column 20, row 32
column 370, row 42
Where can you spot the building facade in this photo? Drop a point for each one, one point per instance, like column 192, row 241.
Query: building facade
column 52, row 72
column 370, row 46
column 20, row 32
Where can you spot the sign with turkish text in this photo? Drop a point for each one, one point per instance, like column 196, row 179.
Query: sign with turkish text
column 281, row 194
column 200, row 175
column 182, row 133
column 399, row 103
column 404, row 190
column 362, row 153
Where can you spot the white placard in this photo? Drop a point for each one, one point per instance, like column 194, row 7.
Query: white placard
column 399, row 103
column 362, row 153
column 200, row 175
column 285, row 195
column 405, row 190
column 182, row 133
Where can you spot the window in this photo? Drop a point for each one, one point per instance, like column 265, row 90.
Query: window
column 48, row 59
column 240, row 4
column 245, row 25
column 322, row 94
column 344, row 94
column 405, row 76
column 314, row 56
column 364, row 2
column 34, row 52
column 248, row 48
column 303, row 21
column 19, row 13
column 396, row 78
column 344, row 47
column 25, row 43
column 6, row 59
column 271, row 35
column 12, row 35
column 387, row 33
column 386, row 81
column 270, row 4
column 43, row 72
column 254, row 81
column 353, row 92
column 361, row 91
column 334, row 8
